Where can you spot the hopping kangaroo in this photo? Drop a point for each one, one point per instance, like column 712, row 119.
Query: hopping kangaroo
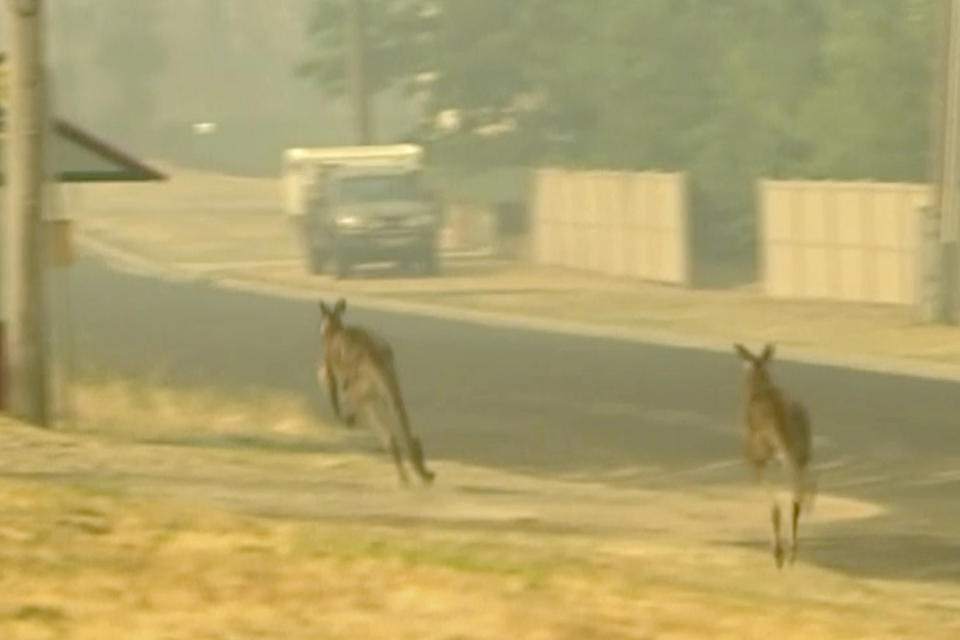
column 361, row 364
column 775, row 427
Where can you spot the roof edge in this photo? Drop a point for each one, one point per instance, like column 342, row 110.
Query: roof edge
column 138, row 171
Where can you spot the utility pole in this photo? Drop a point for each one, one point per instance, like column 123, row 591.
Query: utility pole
column 946, row 154
column 23, row 289
column 356, row 70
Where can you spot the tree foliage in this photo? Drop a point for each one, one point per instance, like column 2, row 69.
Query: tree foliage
column 396, row 34
column 727, row 90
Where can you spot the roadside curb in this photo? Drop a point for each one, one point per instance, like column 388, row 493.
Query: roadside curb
column 130, row 262
column 139, row 265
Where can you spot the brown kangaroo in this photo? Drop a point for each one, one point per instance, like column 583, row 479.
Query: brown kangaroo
column 361, row 363
column 775, row 427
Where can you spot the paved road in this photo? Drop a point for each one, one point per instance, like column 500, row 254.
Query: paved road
column 552, row 403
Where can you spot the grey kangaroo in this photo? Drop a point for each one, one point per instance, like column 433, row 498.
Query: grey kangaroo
column 775, row 426
column 361, row 364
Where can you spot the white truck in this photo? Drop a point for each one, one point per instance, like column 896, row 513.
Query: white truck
column 362, row 204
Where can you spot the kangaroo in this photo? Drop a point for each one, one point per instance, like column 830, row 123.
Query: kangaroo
column 362, row 364
column 775, row 427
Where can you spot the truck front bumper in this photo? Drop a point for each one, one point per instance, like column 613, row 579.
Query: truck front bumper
column 388, row 247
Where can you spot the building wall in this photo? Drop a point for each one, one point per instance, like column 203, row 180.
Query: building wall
column 854, row 241
column 616, row 223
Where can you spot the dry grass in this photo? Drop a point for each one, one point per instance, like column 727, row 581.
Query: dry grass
column 87, row 564
column 193, row 217
column 140, row 409
column 128, row 528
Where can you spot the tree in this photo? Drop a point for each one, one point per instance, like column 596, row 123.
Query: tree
column 396, row 32
column 729, row 91
column 870, row 117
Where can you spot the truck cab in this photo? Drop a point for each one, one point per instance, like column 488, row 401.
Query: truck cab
column 360, row 205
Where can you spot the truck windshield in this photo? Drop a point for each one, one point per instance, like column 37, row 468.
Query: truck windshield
column 370, row 188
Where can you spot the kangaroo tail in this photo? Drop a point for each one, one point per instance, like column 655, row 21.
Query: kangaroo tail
column 805, row 487
column 810, row 490
column 390, row 388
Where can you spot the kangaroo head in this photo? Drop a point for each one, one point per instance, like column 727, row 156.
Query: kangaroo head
column 331, row 319
column 756, row 366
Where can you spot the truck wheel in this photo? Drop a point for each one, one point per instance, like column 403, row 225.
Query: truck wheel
column 317, row 260
column 343, row 267
column 430, row 262
column 425, row 265
column 411, row 266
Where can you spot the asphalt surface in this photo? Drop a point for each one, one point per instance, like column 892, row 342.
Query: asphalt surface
column 561, row 404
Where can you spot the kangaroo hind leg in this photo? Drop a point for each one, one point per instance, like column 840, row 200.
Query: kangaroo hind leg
column 776, row 541
column 426, row 475
column 777, row 544
column 399, row 425
column 801, row 489
column 388, row 441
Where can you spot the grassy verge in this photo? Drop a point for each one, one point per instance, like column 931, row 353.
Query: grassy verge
column 88, row 564
column 172, row 513
column 144, row 411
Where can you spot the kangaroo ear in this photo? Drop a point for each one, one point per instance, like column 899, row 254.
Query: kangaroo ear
column 340, row 306
column 324, row 309
column 767, row 352
column 742, row 352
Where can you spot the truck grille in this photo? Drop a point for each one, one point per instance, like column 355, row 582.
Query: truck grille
column 386, row 224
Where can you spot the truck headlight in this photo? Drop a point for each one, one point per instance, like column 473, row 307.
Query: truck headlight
column 349, row 222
